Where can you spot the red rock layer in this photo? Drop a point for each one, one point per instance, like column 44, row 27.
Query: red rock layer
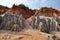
column 26, row 12
column 21, row 9
column 48, row 12
column 3, row 9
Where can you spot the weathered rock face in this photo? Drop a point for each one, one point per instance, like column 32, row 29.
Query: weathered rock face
column 44, row 23
column 3, row 9
column 27, row 13
column 12, row 22
column 18, row 9
column 45, row 19
column 22, row 9
column 0, row 20
column 48, row 12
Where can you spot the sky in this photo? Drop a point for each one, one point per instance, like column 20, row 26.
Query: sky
column 33, row 4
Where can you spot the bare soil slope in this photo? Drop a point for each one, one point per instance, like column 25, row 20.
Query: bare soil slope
column 25, row 35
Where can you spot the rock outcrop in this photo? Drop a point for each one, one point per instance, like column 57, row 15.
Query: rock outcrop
column 48, row 12
column 27, row 13
column 3, row 9
column 44, row 23
column 22, row 10
column 12, row 22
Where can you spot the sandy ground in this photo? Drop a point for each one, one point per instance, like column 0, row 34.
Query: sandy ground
column 25, row 35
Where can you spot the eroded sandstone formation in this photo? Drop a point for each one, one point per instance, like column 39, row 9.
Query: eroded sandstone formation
column 48, row 12
column 26, row 12
column 12, row 22
column 3, row 9
column 21, row 9
column 44, row 23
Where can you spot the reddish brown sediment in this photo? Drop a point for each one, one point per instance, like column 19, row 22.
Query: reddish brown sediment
column 48, row 12
column 26, row 12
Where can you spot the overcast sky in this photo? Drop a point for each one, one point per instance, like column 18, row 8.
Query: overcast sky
column 33, row 4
